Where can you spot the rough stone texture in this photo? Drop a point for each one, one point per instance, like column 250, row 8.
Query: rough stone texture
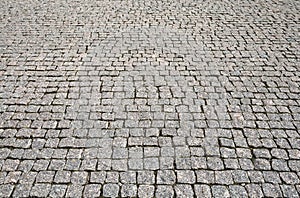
column 110, row 190
column 149, row 98
column 92, row 190
column 146, row 191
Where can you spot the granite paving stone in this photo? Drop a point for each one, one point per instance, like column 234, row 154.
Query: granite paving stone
column 58, row 190
column 149, row 98
column 146, row 191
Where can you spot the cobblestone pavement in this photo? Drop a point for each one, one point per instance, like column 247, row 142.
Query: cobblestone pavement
column 149, row 98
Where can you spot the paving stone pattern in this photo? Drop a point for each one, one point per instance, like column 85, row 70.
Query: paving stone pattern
column 171, row 98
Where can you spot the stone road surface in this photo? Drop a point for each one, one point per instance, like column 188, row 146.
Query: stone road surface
column 149, row 98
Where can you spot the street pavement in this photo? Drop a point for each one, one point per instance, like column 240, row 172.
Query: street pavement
column 136, row 98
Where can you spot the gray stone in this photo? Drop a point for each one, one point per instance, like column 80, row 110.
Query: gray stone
column 135, row 164
column 183, row 190
column 202, row 190
column 98, row 177
column 6, row 190
column 22, row 190
column 128, row 177
column 220, row 191
column 146, row 177
column 237, row 191
column 164, row 191
column 206, row 177
column 12, row 177
column 262, row 164
column 166, row 163
column 271, row 190
column 119, row 153
column 186, row 176
column 40, row 190
column 79, row 177
column 119, row 165
column 289, row 178
column 92, row 190
column 183, row 163
column 223, row 177
column 58, row 190
column 271, row 177
column 89, row 164
column 166, row 177
column 111, row 190
column 104, row 164
column 45, row 177
column 146, row 191
column 129, row 190
column 74, row 190
column 215, row 163
column 151, row 164
column 112, row 177
column 240, row 176
column 289, row 191
column 254, row 190
column 280, row 165
column 135, row 152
